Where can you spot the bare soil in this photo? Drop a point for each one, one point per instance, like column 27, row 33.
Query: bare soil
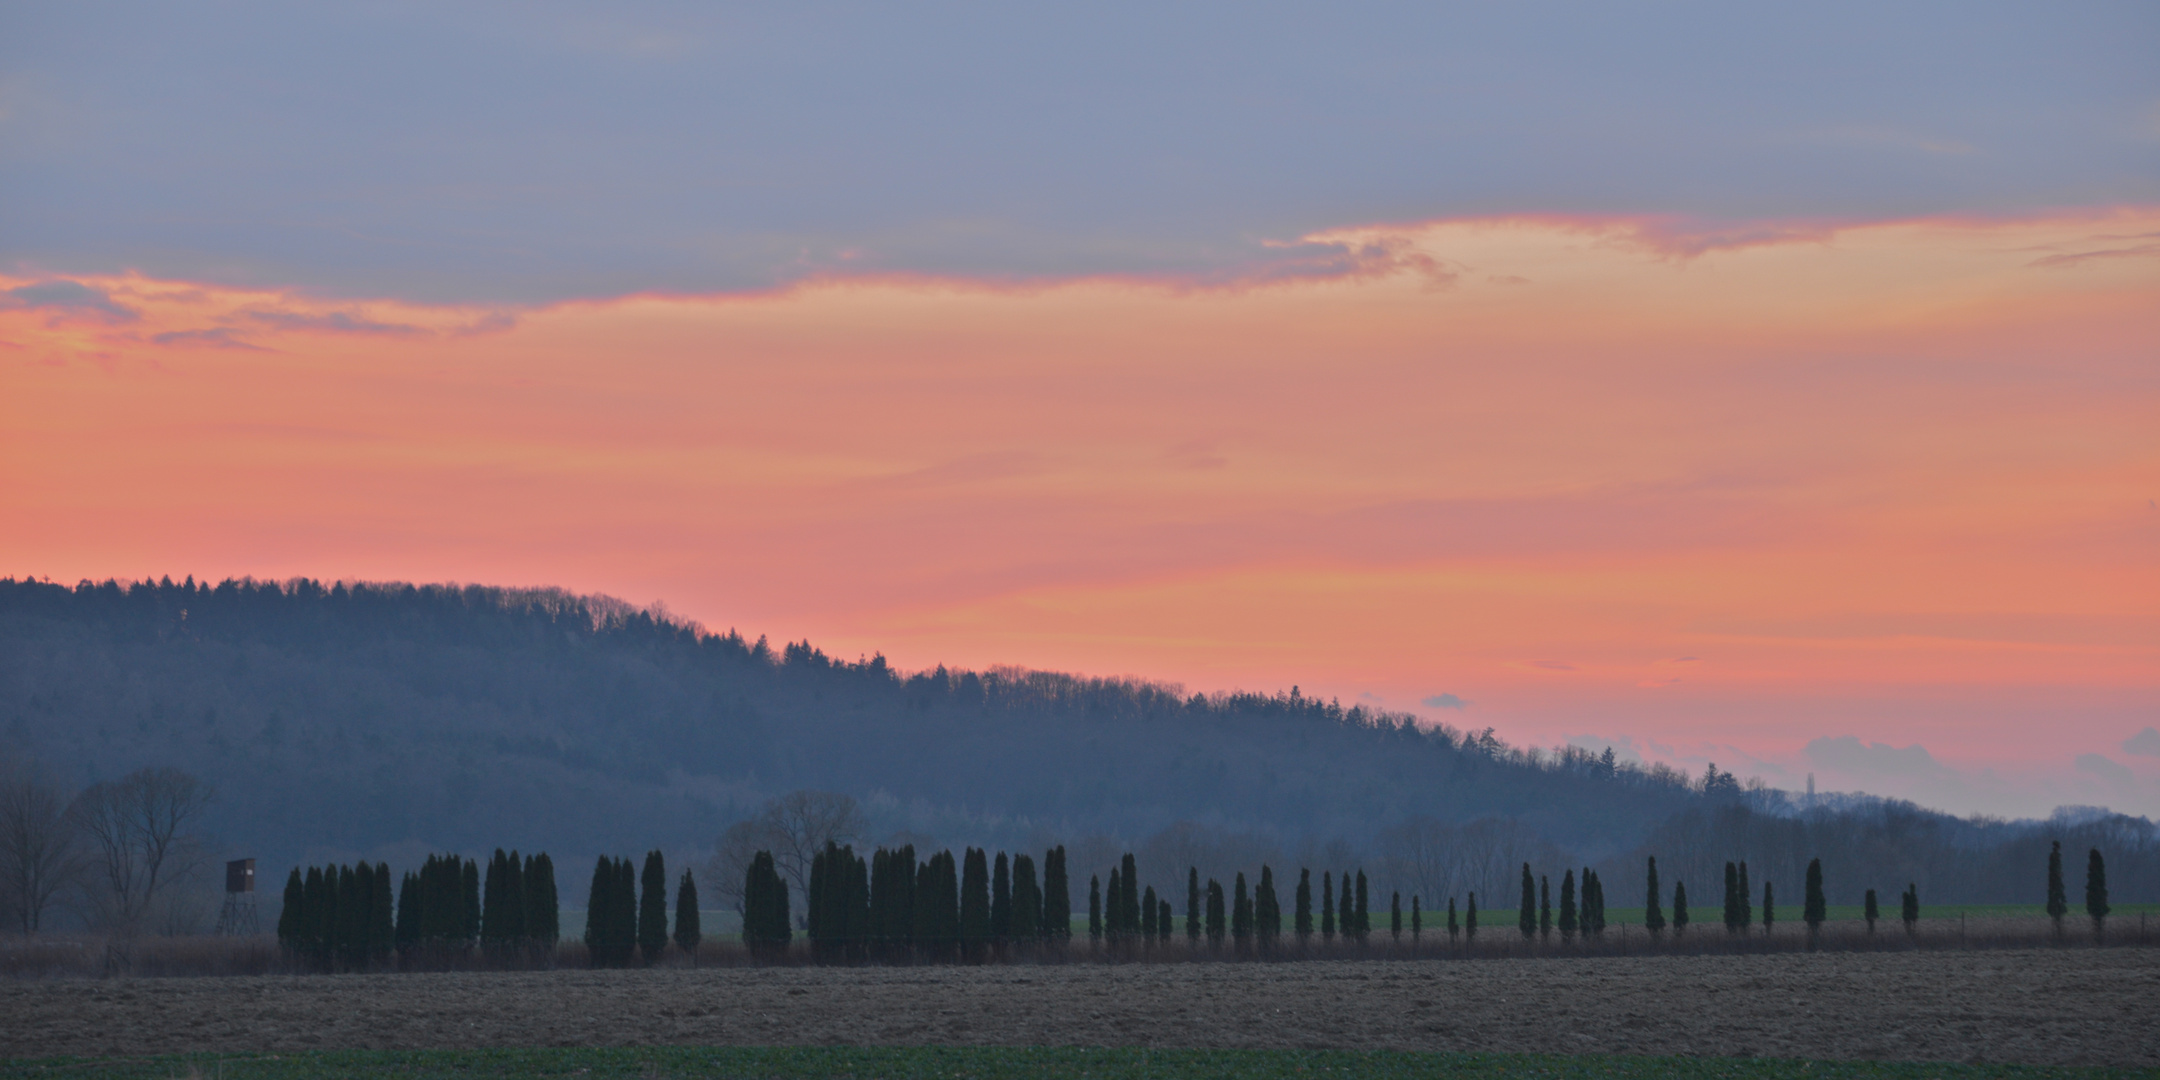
column 2081, row 1006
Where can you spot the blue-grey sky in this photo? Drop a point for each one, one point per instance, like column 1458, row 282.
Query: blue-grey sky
column 522, row 153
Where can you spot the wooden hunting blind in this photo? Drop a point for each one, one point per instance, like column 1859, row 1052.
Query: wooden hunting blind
column 240, row 876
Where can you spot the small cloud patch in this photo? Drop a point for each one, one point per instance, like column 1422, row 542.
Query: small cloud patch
column 2146, row 742
column 63, row 297
column 1446, row 701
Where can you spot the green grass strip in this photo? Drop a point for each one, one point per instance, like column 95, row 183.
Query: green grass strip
column 997, row 1063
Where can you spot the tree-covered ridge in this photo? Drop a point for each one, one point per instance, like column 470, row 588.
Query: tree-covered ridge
column 340, row 717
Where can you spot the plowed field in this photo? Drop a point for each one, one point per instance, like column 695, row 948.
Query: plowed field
column 2076, row 1006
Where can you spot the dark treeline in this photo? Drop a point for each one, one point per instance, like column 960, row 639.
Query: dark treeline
column 892, row 908
column 350, row 717
column 342, row 918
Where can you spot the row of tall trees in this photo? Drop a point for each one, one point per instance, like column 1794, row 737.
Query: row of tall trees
column 626, row 913
column 891, row 906
column 342, row 917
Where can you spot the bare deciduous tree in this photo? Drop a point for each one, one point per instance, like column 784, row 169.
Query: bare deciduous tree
column 39, row 852
column 136, row 827
column 794, row 827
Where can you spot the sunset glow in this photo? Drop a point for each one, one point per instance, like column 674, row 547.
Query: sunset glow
column 1716, row 493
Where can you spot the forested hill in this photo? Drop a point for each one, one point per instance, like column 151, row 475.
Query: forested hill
column 352, row 717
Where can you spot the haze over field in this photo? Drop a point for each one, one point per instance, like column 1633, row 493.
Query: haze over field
column 1768, row 388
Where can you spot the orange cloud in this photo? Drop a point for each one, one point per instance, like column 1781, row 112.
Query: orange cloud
column 1880, row 463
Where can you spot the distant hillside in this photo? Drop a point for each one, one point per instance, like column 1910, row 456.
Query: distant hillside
column 352, row 717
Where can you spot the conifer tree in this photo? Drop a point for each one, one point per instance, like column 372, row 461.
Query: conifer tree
column 2058, row 897
column 291, row 912
column 469, row 925
column 513, row 915
column 1679, row 908
column 382, row 922
column 1909, row 909
column 1147, row 915
column 598, row 914
column 652, row 928
column 1128, row 897
column 1469, row 924
column 1001, row 906
column 1417, row 921
column 1769, row 909
column 1395, row 917
column 2096, row 892
column 1327, row 906
column 1544, row 907
column 351, row 923
column 816, row 899
column 1653, row 915
column 1346, row 909
column 408, row 912
column 1095, row 923
column 1162, row 919
column 491, row 918
column 1453, row 928
column 1870, row 910
column 1364, row 908
column 1057, row 902
column 1267, row 909
column 1303, row 901
column 1192, row 905
column 543, row 920
column 688, row 932
column 975, row 903
column 625, row 929
column 1526, row 919
column 1567, row 906
column 1815, row 907
column 1732, row 897
column 1215, row 914
column 1747, row 900
column 1113, row 906
column 1241, row 913
column 1597, row 904
column 1026, row 900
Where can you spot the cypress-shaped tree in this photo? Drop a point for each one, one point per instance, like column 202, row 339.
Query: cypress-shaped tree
column 1057, row 902
column 1544, row 906
column 2096, row 893
column 292, row 911
column 1526, row 918
column 598, row 915
column 1346, row 909
column 1815, row 907
column 1215, row 914
column 1113, row 907
column 1001, row 906
column 1241, row 913
column 1732, row 897
column 1870, row 910
column 1147, row 914
column 652, row 928
column 1267, row 910
column 858, row 928
column 1162, row 919
column 1026, row 899
column 1395, row 916
column 1747, row 900
column 382, row 922
column 689, row 931
column 1679, row 908
column 352, row 908
column 543, row 919
column 1327, row 906
column 975, row 903
column 1653, row 913
column 1453, row 928
column 1192, row 904
column 408, row 912
column 1128, row 897
column 491, row 920
column 2058, row 896
column 1417, row 921
column 1567, row 906
column 1597, row 904
column 626, row 911
column 514, row 906
column 816, row 900
column 1303, row 901
column 1469, row 923
column 1364, row 908
column 469, row 926
column 1095, row 923
column 1909, row 908
column 1769, row 908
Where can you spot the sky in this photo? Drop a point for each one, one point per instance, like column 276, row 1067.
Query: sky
column 1772, row 388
